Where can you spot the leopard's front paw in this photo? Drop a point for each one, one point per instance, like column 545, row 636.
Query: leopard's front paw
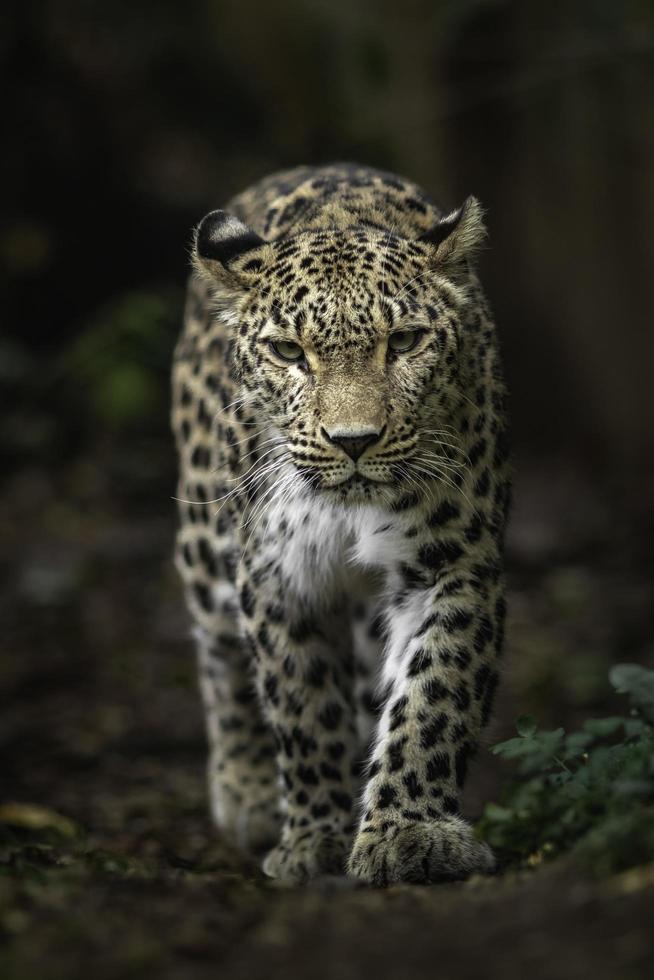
column 308, row 853
column 436, row 850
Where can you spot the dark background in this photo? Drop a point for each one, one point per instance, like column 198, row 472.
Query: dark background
column 123, row 123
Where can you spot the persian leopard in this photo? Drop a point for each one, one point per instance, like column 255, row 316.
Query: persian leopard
column 339, row 412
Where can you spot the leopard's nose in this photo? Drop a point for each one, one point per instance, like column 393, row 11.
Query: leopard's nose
column 352, row 443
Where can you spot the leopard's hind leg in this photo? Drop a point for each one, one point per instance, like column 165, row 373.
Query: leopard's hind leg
column 241, row 770
column 242, row 774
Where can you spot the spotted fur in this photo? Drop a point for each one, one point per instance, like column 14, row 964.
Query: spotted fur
column 342, row 520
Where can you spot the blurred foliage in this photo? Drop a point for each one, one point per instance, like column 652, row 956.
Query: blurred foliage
column 122, row 360
column 590, row 791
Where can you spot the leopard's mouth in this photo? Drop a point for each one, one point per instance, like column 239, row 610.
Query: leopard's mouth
column 358, row 478
column 355, row 486
column 357, row 489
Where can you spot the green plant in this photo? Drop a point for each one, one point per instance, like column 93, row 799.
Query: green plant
column 591, row 791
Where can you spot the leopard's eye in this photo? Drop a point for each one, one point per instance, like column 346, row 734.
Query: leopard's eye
column 287, row 350
column 404, row 340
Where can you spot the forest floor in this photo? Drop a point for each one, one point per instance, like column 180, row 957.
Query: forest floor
column 108, row 864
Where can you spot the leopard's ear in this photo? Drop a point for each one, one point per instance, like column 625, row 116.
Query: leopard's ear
column 226, row 249
column 458, row 234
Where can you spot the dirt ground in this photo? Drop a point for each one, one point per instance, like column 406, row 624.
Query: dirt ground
column 101, row 725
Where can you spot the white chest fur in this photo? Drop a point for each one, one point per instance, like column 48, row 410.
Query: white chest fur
column 324, row 547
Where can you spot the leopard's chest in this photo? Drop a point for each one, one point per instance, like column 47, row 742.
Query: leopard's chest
column 323, row 550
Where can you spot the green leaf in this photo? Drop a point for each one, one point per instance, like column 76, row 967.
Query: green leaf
column 576, row 744
column 498, row 814
column 577, row 786
column 634, row 727
column 638, row 683
column 601, row 727
column 511, row 749
column 526, row 726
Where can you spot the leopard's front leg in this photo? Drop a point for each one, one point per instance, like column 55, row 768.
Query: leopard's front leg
column 441, row 674
column 304, row 678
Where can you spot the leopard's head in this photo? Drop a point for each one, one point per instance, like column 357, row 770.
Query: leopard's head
column 346, row 343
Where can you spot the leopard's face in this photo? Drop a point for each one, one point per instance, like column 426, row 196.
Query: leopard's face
column 346, row 343
column 350, row 355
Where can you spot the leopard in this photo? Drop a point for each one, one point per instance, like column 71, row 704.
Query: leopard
column 341, row 423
